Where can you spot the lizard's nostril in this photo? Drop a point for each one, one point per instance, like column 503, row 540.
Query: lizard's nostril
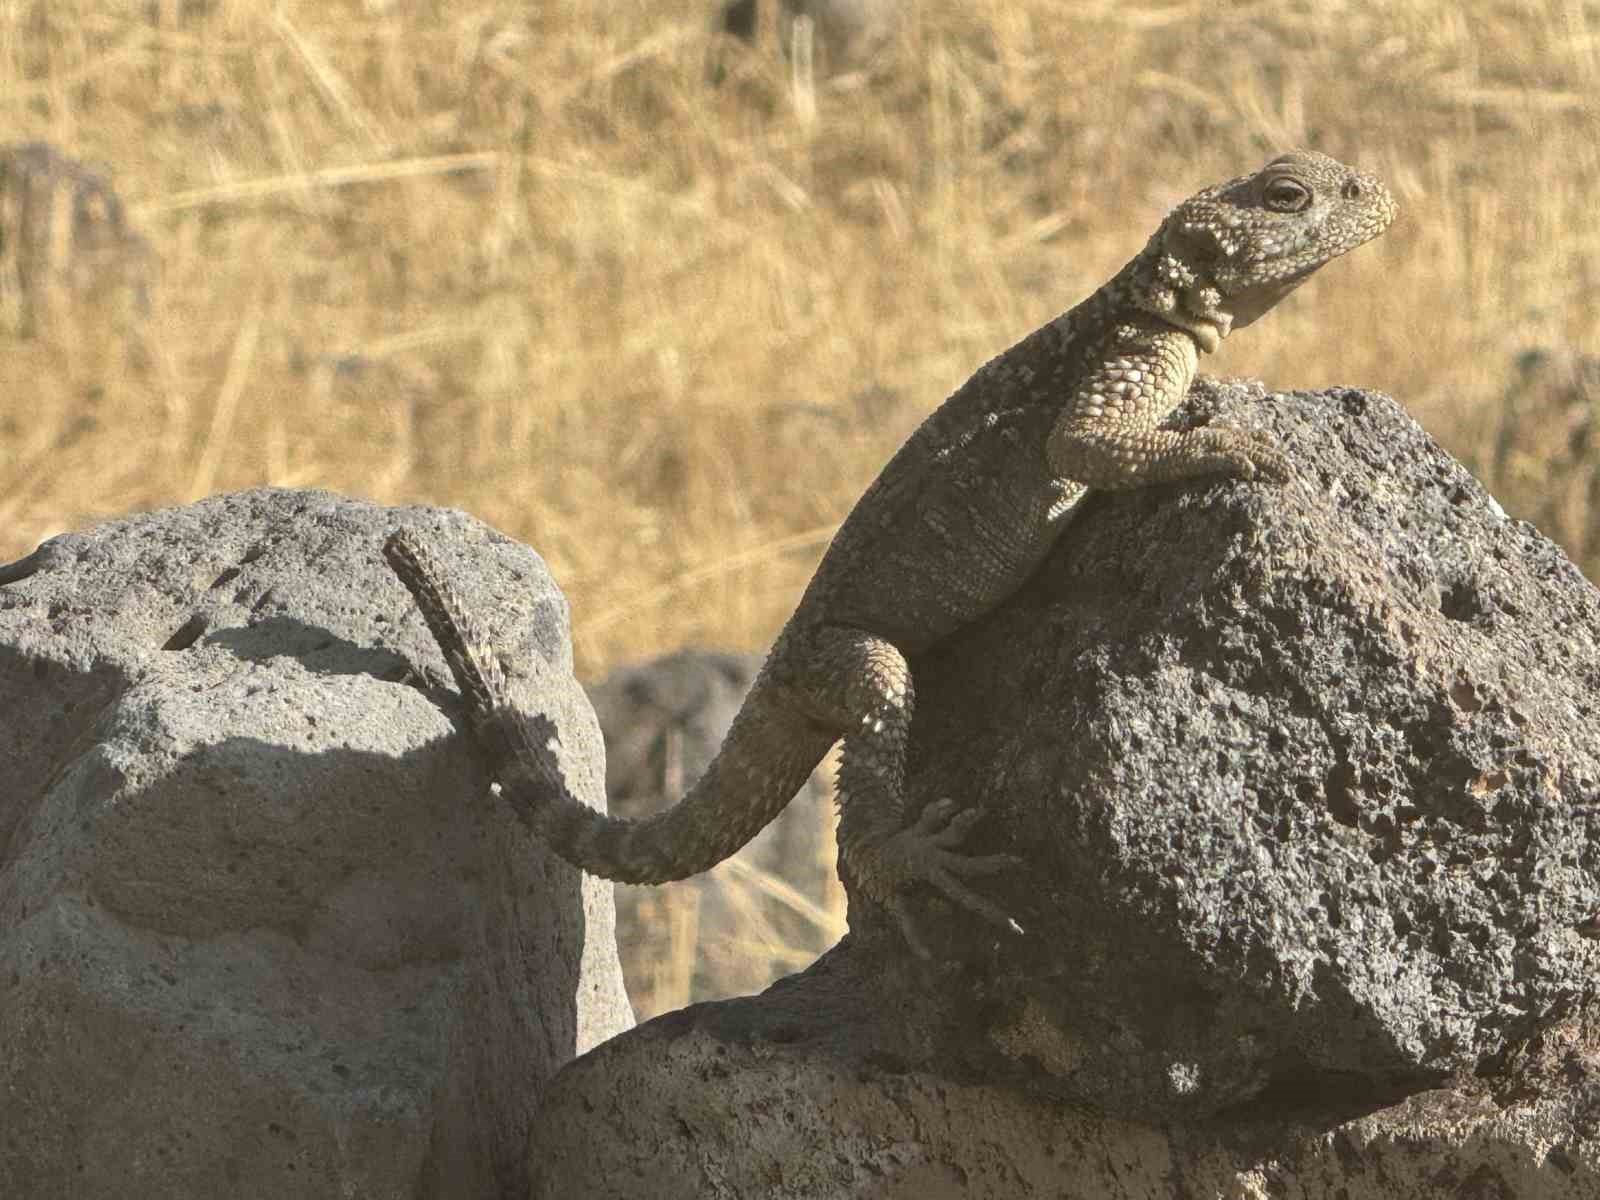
column 1353, row 190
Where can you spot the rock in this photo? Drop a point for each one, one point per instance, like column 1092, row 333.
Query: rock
column 1305, row 783
column 262, row 932
column 1315, row 760
column 726, row 1100
column 734, row 930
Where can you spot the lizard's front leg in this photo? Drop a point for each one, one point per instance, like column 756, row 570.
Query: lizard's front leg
column 1120, row 459
column 860, row 683
column 1109, row 434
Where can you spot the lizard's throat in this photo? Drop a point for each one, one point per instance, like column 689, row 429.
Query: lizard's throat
column 1207, row 331
column 1242, row 308
column 1249, row 304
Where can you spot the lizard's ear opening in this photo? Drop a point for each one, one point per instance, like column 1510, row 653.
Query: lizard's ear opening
column 1198, row 243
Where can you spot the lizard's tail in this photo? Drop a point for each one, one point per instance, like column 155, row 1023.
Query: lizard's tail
column 764, row 761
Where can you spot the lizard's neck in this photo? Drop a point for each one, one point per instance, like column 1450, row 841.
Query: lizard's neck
column 1111, row 334
column 1118, row 320
column 1181, row 295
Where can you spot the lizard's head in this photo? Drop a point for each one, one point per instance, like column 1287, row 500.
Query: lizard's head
column 1228, row 254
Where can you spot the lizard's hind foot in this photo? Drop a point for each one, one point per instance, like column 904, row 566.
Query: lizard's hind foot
column 927, row 852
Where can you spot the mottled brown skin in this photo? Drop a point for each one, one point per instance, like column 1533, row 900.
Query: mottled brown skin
column 959, row 517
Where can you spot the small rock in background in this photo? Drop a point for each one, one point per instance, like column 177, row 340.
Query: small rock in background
column 68, row 256
column 1544, row 460
column 821, row 39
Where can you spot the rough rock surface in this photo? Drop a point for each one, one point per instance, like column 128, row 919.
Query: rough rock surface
column 262, row 932
column 734, row 930
column 1305, row 779
column 746, row 1098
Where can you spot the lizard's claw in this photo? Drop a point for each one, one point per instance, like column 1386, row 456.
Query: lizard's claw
column 1258, row 456
column 926, row 852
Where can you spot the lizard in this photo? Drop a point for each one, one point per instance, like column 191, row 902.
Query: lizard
column 960, row 516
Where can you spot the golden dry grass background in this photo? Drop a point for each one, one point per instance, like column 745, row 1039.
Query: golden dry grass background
column 526, row 260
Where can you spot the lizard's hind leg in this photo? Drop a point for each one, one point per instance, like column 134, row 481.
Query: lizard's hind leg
column 860, row 683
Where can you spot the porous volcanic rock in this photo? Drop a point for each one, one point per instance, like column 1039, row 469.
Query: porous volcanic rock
column 1305, row 783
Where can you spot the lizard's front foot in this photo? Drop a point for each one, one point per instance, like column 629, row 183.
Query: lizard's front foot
column 926, row 853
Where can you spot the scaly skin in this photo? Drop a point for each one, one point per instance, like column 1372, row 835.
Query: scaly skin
column 960, row 516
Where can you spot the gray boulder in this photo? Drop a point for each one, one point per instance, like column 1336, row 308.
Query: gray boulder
column 747, row 1098
column 263, row 932
column 1306, row 785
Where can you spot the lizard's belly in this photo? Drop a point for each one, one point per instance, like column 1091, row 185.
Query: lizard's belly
column 956, row 558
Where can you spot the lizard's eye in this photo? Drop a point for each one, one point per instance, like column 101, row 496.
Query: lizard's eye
column 1286, row 195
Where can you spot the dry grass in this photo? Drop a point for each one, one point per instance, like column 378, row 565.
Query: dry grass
column 524, row 259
